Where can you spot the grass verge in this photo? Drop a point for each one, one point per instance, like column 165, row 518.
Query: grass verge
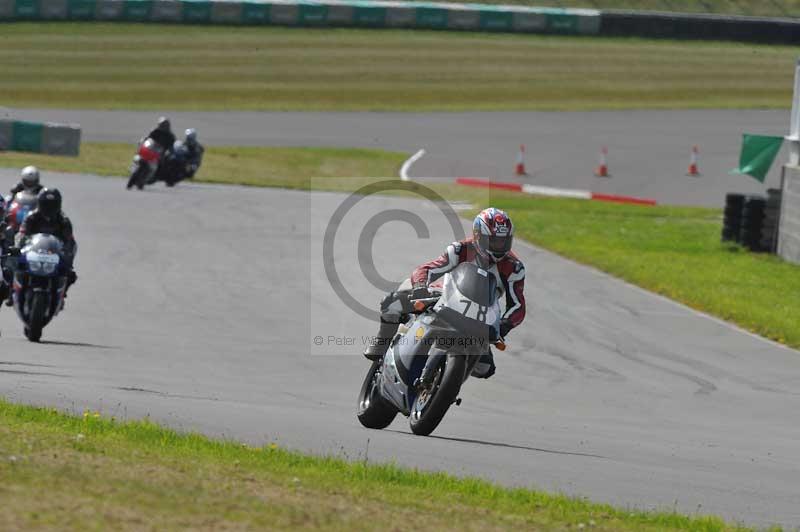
column 141, row 66
column 100, row 474
column 673, row 251
column 266, row 167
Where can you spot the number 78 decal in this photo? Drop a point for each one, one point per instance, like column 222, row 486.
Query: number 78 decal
column 480, row 313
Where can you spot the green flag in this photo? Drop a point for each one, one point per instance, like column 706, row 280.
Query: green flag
column 758, row 152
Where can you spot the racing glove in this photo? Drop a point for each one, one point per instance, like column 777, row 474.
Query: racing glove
column 420, row 291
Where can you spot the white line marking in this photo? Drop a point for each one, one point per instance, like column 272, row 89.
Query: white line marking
column 556, row 192
column 407, row 165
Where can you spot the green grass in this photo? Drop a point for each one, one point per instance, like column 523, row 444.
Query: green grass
column 87, row 472
column 763, row 8
column 138, row 66
column 274, row 167
column 674, row 251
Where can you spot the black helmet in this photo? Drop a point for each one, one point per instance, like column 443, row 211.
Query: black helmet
column 49, row 202
column 163, row 123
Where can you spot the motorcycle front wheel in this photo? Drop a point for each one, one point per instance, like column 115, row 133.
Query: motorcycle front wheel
column 36, row 322
column 432, row 404
column 137, row 177
column 374, row 412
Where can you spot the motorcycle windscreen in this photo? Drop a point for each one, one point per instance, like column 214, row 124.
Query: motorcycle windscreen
column 44, row 243
column 469, row 301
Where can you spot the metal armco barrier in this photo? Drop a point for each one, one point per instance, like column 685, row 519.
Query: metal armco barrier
column 332, row 13
column 52, row 139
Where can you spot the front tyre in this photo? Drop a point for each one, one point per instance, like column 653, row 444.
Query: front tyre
column 38, row 306
column 431, row 405
column 374, row 412
column 137, row 177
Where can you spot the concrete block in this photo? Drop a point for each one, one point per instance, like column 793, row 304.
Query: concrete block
column 109, row 9
column 226, row 12
column 789, row 225
column 53, row 9
column 463, row 19
column 6, row 132
column 167, row 11
column 61, row 139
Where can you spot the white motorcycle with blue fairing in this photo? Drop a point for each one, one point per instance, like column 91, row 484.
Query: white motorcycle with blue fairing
column 434, row 353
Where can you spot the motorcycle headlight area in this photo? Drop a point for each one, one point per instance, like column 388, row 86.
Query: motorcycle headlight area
column 41, row 263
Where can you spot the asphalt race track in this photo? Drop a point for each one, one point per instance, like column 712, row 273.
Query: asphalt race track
column 199, row 306
column 648, row 150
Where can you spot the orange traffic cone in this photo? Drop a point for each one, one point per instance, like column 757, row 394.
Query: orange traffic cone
column 693, row 171
column 602, row 168
column 520, row 168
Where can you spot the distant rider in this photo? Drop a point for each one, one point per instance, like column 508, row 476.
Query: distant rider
column 490, row 248
column 194, row 153
column 48, row 218
column 184, row 161
column 163, row 135
column 28, row 181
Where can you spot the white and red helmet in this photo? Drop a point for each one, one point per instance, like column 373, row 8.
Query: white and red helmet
column 493, row 233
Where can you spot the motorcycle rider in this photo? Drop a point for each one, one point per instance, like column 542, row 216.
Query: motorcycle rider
column 490, row 248
column 5, row 275
column 28, row 180
column 184, row 160
column 162, row 134
column 194, row 157
column 48, row 218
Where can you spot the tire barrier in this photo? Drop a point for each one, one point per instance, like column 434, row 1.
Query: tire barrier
column 732, row 219
column 52, row 139
column 331, row 13
column 769, row 227
column 752, row 221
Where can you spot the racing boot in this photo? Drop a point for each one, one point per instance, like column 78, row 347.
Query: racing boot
column 380, row 343
column 5, row 293
column 485, row 367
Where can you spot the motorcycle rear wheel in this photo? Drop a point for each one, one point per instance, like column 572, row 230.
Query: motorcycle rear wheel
column 374, row 412
column 34, row 329
column 430, row 407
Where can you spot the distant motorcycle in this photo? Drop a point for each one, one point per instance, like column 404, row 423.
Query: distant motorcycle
column 176, row 166
column 145, row 163
column 17, row 209
column 434, row 353
column 40, row 281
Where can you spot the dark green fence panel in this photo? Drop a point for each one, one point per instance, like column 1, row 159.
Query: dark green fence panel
column 372, row 17
column 197, row 11
column 432, row 17
column 81, row 9
column 558, row 23
column 27, row 136
column 26, row 9
column 497, row 20
column 253, row 13
column 312, row 15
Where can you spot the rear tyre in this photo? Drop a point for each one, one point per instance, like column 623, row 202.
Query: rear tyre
column 34, row 329
column 430, row 407
column 374, row 412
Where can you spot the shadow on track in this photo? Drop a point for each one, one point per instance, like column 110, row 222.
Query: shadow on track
column 78, row 344
column 500, row 444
